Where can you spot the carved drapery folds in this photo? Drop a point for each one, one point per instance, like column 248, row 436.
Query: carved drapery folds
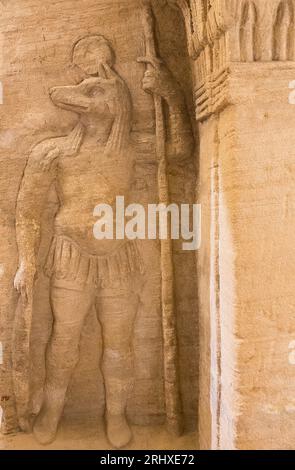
column 221, row 32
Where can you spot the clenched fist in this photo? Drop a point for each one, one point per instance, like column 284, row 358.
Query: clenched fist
column 159, row 80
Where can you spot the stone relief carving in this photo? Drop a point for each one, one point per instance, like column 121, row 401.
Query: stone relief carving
column 91, row 165
column 180, row 147
column 94, row 163
column 222, row 32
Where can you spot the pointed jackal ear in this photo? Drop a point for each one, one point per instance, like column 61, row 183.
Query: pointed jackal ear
column 109, row 72
column 102, row 71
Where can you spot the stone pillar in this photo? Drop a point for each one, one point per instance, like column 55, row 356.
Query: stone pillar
column 243, row 56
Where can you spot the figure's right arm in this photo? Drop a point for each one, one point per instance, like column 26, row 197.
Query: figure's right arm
column 38, row 177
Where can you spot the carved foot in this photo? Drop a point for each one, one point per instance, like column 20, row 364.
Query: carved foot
column 118, row 431
column 45, row 427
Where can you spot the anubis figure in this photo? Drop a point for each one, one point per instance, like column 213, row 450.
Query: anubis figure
column 91, row 165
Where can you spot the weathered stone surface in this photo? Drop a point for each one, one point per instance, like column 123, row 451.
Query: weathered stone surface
column 44, row 143
column 243, row 55
column 232, row 67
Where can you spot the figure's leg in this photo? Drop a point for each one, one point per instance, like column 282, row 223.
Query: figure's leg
column 40, row 333
column 117, row 310
column 70, row 307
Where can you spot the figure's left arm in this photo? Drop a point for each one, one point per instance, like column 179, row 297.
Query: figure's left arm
column 159, row 80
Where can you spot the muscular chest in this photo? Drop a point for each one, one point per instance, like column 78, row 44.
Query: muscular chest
column 94, row 176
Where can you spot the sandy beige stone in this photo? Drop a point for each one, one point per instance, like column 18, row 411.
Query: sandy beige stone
column 243, row 56
column 89, row 328
column 213, row 331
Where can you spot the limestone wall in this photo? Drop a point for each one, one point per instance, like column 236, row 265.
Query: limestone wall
column 243, row 56
column 36, row 43
column 235, row 64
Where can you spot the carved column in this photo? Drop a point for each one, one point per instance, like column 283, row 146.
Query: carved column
column 243, row 57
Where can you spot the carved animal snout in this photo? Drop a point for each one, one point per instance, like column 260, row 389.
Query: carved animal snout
column 69, row 97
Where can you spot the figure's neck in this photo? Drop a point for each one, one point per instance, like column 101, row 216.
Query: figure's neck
column 96, row 131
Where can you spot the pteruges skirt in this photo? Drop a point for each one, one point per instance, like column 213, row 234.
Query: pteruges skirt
column 67, row 261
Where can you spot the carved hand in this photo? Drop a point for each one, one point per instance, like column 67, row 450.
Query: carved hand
column 159, row 80
column 24, row 280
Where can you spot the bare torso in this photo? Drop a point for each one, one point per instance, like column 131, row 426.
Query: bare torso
column 83, row 182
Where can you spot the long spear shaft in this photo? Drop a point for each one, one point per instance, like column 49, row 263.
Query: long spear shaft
column 172, row 388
